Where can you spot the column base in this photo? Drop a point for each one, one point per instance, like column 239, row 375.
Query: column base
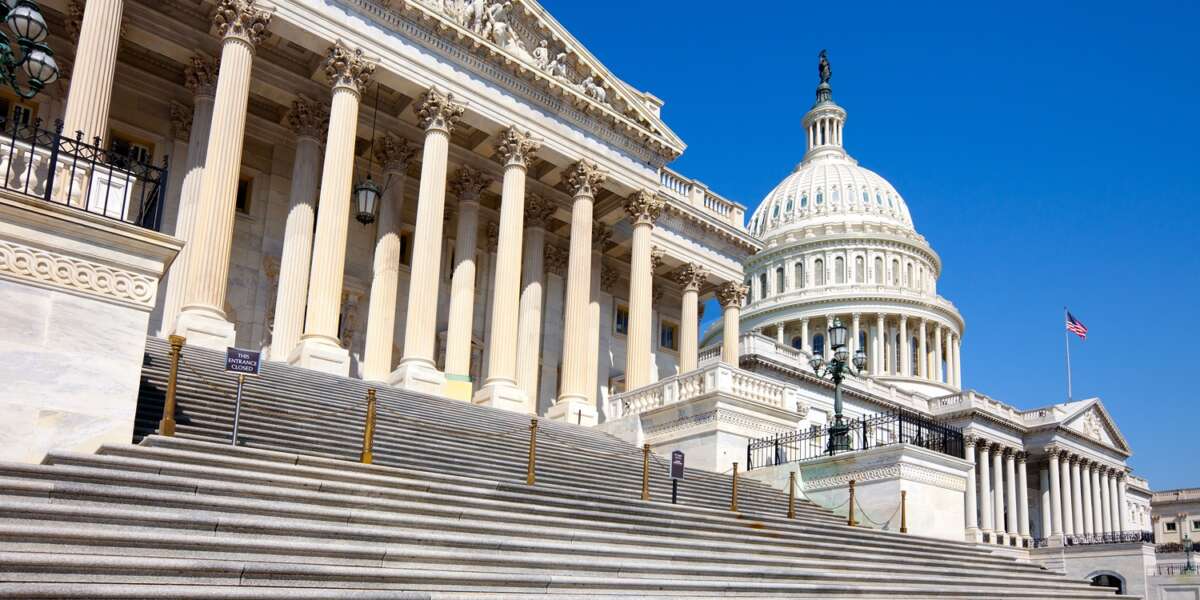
column 319, row 353
column 458, row 387
column 418, row 375
column 573, row 410
column 974, row 535
column 505, row 395
column 206, row 329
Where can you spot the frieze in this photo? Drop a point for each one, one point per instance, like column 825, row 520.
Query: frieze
column 24, row 262
column 906, row 471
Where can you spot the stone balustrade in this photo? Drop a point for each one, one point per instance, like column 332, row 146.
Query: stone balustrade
column 696, row 194
column 712, row 378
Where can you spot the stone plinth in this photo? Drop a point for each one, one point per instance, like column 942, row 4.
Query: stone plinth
column 76, row 291
column 1129, row 562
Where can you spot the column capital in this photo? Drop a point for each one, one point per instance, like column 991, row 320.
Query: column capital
column 181, row 120
column 583, row 178
column 538, row 211
column 856, row 317
column 347, row 68
column 493, row 236
column 608, row 278
column 692, row 277
column 438, row 110
column 1053, row 451
column 308, row 118
column 467, row 183
column 517, row 148
column 394, row 153
column 971, row 440
column 241, row 19
column 643, row 207
column 200, row 75
column 731, row 294
column 601, row 235
column 1073, row 458
column 556, row 261
column 904, row 320
column 1022, row 457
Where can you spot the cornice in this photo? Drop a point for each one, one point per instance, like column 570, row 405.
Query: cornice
column 709, row 222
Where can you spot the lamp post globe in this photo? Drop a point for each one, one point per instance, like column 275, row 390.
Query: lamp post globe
column 25, row 19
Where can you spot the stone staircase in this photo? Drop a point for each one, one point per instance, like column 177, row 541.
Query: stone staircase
column 444, row 513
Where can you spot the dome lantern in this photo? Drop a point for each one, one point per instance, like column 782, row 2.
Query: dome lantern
column 825, row 121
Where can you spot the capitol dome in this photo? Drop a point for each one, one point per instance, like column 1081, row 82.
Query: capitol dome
column 839, row 245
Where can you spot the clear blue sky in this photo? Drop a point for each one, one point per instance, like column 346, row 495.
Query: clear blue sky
column 1048, row 152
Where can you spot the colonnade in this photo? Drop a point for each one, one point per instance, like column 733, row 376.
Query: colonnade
column 1078, row 496
column 309, row 297
column 937, row 345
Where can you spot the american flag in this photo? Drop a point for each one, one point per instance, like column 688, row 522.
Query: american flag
column 1074, row 326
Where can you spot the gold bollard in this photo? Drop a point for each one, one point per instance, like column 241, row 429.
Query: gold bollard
column 850, row 515
column 369, row 430
column 646, row 472
column 733, row 491
column 792, row 495
column 167, row 425
column 903, row 511
column 529, row 470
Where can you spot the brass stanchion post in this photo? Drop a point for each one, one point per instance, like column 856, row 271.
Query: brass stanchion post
column 850, row 515
column 646, row 472
column 167, row 425
column 792, row 495
column 529, row 470
column 368, row 443
column 903, row 511
column 733, row 491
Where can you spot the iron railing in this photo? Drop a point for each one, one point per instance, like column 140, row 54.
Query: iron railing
column 1177, row 569
column 45, row 164
column 899, row 427
column 1091, row 539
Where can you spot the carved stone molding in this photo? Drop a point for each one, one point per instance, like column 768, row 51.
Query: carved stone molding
column 732, row 293
column 692, row 277
column 905, row 471
column 436, row 109
column 181, row 120
column 657, row 256
column 584, row 178
column 601, row 235
column 308, row 118
column 394, row 153
column 517, row 147
column 556, row 260
column 608, row 279
column 467, row 183
column 493, row 236
column 200, row 75
column 241, row 19
column 347, row 68
column 643, row 208
column 18, row 261
column 538, row 211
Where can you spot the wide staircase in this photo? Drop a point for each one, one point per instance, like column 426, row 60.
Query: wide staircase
column 444, row 512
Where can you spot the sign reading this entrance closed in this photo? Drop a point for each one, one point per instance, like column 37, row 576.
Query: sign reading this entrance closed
column 677, row 465
column 242, row 361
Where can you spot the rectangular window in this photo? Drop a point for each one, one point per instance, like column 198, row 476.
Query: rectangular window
column 1195, row 525
column 1169, row 526
column 243, row 195
column 126, row 150
column 668, row 336
column 18, row 111
column 621, row 320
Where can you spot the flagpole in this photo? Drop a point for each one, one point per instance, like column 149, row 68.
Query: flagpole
column 1067, row 343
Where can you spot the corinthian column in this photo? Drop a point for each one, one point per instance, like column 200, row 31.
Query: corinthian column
column 572, row 405
column 601, row 234
column 309, row 120
column 731, row 295
column 1010, row 498
column 922, row 352
column 937, row 353
column 1056, row 515
column 985, row 488
column 1085, row 490
column 1076, row 497
column 95, row 66
column 466, row 184
column 320, row 348
column 1097, row 506
column 202, row 317
column 1022, row 495
column 971, row 496
column 998, row 490
column 903, row 350
column 393, row 154
column 1068, row 521
column 516, row 149
column 1121, row 507
column 533, row 279
column 643, row 209
column 438, row 113
column 200, row 76
column 691, row 279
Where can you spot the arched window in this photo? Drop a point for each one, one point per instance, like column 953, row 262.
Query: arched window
column 819, row 272
column 763, row 285
column 797, row 342
column 800, row 275
column 859, row 268
column 890, row 205
column 789, row 205
column 803, row 200
column 818, row 344
column 879, row 270
column 775, row 211
column 1108, row 580
column 866, row 198
column 878, row 199
column 836, row 196
column 896, row 359
column 820, row 197
column 839, row 270
column 908, row 273
column 895, row 272
column 862, row 340
column 779, row 283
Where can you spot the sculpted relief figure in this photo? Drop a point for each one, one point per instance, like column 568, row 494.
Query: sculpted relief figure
column 592, row 87
column 475, row 14
column 541, row 55
column 558, row 66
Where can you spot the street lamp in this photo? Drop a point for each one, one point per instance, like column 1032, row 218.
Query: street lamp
column 25, row 19
column 1188, row 547
column 836, row 369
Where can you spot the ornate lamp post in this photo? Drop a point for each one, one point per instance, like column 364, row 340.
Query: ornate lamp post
column 836, row 369
column 24, row 17
column 1189, row 548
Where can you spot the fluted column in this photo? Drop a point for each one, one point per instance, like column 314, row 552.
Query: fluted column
column 320, row 348
column 1056, row 515
column 905, row 354
column 583, row 178
column 986, row 514
column 1097, row 505
column 309, row 120
column 958, row 362
column 437, row 112
column 998, row 490
column 466, row 184
column 937, row 352
column 1105, row 500
column 971, row 495
column 1076, row 496
column 1044, row 498
column 1085, row 494
column 922, row 352
column 1010, row 476
column 394, row 155
column 533, row 279
column 855, row 328
column 202, row 317
column 691, row 278
column 643, row 209
column 1114, row 521
column 601, row 235
column 805, row 340
column 878, row 355
column 948, row 347
column 731, row 295
column 1067, row 493
column 200, row 76
column 1120, row 483
column 93, row 75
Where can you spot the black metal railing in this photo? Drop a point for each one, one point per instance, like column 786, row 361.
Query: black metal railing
column 899, row 427
column 45, row 164
column 1178, row 569
column 1171, row 547
column 1091, row 539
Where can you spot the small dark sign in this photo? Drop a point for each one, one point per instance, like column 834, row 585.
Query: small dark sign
column 242, row 361
column 677, row 465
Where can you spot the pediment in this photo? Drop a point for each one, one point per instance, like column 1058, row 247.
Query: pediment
column 1092, row 421
column 525, row 39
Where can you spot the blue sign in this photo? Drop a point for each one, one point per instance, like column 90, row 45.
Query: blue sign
column 246, row 362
